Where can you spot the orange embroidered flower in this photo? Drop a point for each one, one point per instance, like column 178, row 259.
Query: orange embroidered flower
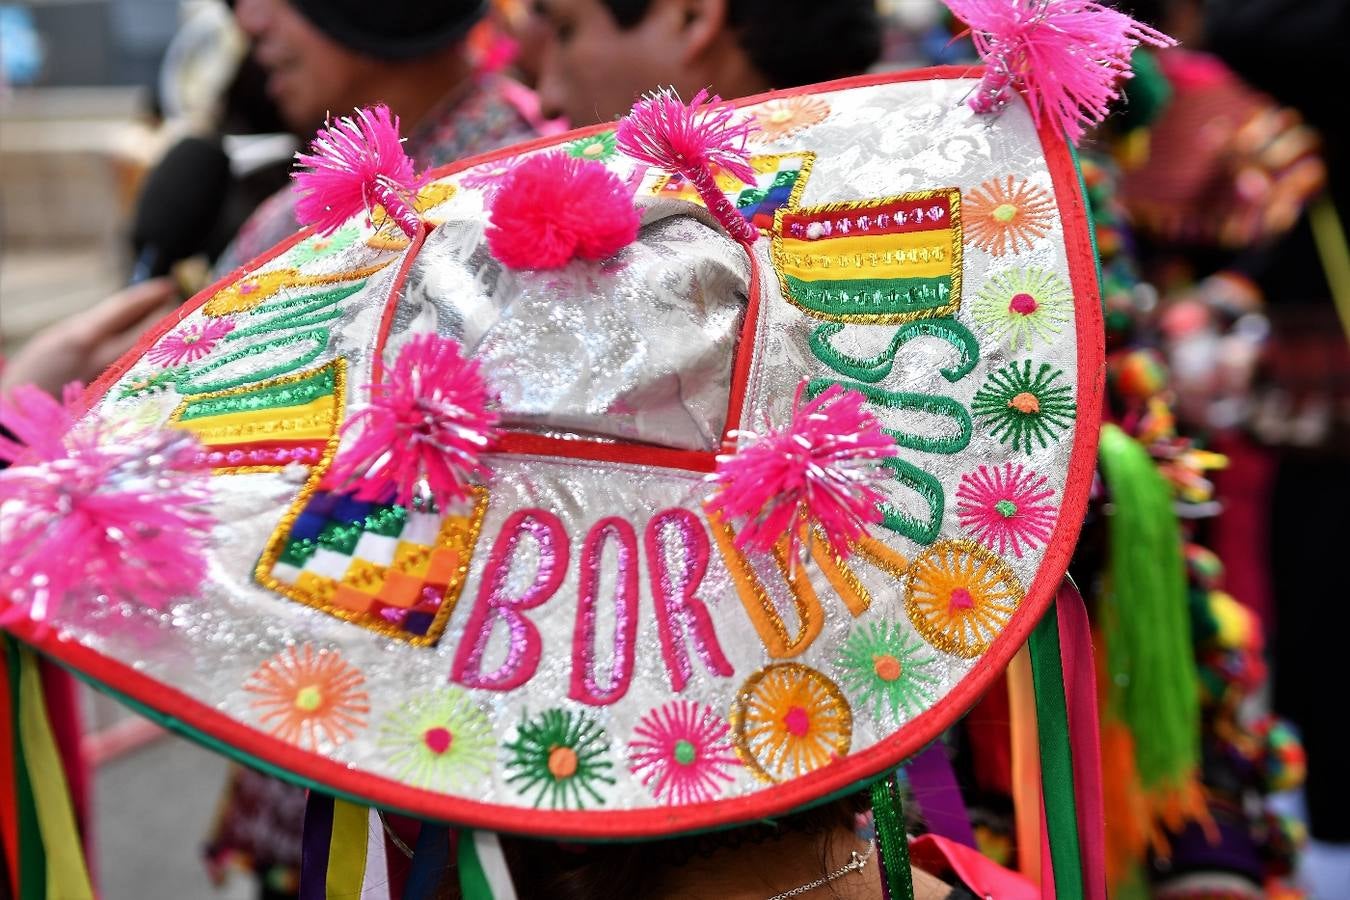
column 1003, row 216
column 789, row 719
column 959, row 596
column 307, row 696
column 784, row 118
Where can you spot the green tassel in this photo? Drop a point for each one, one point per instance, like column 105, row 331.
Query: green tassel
column 1148, row 625
column 1147, row 92
column 892, row 842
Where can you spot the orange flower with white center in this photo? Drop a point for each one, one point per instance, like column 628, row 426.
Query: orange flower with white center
column 784, row 118
column 308, row 696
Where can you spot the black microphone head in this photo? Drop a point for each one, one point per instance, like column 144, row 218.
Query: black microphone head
column 179, row 203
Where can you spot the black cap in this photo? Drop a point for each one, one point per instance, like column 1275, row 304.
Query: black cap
column 393, row 29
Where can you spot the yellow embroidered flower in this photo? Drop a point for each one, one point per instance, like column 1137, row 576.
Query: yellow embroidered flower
column 960, row 596
column 789, row 719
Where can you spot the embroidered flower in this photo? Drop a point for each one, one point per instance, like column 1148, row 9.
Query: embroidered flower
column 249, row 291
column 681, row 752
column 1003, row 508
column 1004, row 215
column 778, row 119
column 190, row 343
column 885, row 666
column 151, row 383
column 1023, row 408
column 487, row 176
column 788, row 719
column 598, row 147
column 439, row 739
column 559, row 756
column 959, row 596
column 319, row 246
column 1023, row 306
column 307, row 696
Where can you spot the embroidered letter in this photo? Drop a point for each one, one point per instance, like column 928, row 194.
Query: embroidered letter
column 677, row 607
column 585, row 688
column 495, row 604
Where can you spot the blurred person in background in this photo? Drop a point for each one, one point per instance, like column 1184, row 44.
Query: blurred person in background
column 602, row 55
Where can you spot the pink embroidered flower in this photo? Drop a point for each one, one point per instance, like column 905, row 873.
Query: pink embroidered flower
column 681, row 752
column 190, row 344
column 1004, row 509
column 488, row 176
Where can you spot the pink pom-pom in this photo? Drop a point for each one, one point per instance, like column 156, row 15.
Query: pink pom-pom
column 355, row 163
column 100, row 507
column 692, row 140
column 553, row 208
column 423, row 430
column 823, row 467
column 1066, row 55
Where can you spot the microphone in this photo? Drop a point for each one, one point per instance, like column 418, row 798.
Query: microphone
column 180, row 202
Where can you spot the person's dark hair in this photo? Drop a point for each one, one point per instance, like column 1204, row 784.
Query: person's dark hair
column 793, row 42
column 544, row 869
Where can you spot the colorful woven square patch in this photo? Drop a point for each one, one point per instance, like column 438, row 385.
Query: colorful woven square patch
column 780, row 180
column 389, row 568
column 880, row 262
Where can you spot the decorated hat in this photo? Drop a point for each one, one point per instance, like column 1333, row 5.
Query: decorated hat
column 640, row 481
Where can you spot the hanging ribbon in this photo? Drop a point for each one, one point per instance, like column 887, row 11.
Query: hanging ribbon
column 892, row 841
column 430, row 862
column 483, row 873
column 1057, row 770
column 1080, row 682
column 316, row 839
column 9, row 789
column 938, row 795
column 1026, row 765
column 342, row 851
column 48, row 850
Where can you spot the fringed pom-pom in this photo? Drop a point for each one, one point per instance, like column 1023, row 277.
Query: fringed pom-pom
column 693, row 140
column 423, row 430
column 116, row 510
column 553, row 208
column 822, row 468
column 355, row 163
column 1066, row 55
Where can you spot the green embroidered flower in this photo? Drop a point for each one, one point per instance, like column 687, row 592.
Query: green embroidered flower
column 438, row 740
column 559, row 756
column 1025, row 409
column 883, row 666
column 152, row 383
column 320, row 246
column 596, row 147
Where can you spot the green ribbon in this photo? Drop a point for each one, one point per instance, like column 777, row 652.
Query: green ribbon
column 32, row 857
column 892, row 841
column 1052, row 723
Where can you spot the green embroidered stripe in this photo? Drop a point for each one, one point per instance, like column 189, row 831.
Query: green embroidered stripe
column 296, row 393
column 871, row 296
column 318, row 340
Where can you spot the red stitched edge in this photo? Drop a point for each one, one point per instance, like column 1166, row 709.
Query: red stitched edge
column 666, row 821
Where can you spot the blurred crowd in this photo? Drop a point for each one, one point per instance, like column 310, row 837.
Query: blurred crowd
column 1217, row 193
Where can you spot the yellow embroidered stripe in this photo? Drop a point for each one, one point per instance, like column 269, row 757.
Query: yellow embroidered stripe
column 920, row 254
column 309, row 421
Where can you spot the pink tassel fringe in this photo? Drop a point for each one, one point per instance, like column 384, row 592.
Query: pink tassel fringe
column 1067, row 56
column 692, row 140
column 423, row 430
column 128, row 506
column 354, row 164
column 822, row 468
column 552, row 208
